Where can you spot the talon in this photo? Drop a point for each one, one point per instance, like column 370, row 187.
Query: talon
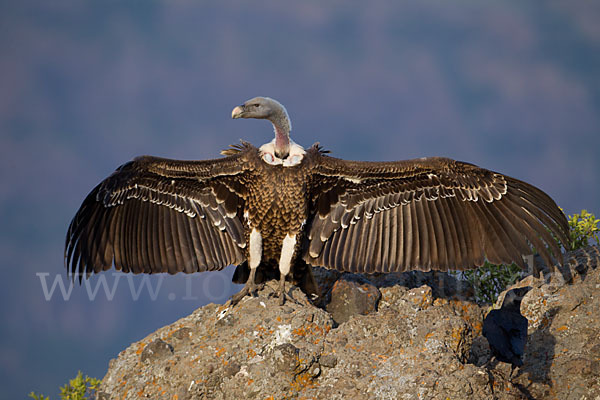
column 239, row 295
column 258, row 288
column 280, row 295
column 249, row 288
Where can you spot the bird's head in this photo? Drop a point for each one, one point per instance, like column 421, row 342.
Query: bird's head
column 274, row 111
column 260, row 108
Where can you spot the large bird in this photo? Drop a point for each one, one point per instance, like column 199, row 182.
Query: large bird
column 506, row 329
column 281, row 206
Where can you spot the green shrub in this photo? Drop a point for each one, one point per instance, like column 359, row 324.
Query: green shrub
column 78, row 388
column 584, row 229
column 490, row 280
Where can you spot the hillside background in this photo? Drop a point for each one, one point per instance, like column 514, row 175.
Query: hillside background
column 86, row 86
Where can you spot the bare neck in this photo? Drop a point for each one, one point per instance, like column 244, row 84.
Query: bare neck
column 282, row 127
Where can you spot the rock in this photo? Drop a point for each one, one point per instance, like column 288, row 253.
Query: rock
column 352, row 295
column 422, row 342
column 156, row 350
column 183, row 333
column 285, row 357
column 325, row 279
column 328, row 360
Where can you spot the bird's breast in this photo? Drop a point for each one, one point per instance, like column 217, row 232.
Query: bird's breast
column 277, row 206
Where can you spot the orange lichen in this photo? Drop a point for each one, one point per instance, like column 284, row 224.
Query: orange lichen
column 545, row 322
column 140, row 348
column 251, row 353
column 301, row 331
column 562, row 328
column 301, row 381
column 220, row 351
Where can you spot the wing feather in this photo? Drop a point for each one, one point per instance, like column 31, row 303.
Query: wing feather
column 384, row 238
column 435, row 239
column 450, row 235
column 115, row 246
column 392, row 240
column 158, row 215
column 432, row 213
column 410, row 237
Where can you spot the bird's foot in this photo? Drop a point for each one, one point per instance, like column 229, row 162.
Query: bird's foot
column 250, row 288
column 280, row 295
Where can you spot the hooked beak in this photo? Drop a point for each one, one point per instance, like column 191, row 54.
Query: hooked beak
column 238, row 112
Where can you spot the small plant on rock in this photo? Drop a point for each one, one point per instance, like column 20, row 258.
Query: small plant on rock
column 584, row 229
column 490, row 280
column 78, row 388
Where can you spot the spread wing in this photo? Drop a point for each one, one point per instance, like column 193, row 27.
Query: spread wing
column 430, row 213
column 159, row 215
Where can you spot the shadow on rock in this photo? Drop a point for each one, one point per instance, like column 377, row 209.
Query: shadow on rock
column 539, row 352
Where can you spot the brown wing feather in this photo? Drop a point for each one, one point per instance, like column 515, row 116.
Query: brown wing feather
column 437, row 214
column 159, row 215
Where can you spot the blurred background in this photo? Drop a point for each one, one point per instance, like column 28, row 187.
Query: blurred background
column 85, row 86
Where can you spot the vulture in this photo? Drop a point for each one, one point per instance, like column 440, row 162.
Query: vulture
column 285, row 208
column 506, row 329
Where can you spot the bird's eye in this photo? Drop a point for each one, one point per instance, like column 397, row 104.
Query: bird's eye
column 256, row 105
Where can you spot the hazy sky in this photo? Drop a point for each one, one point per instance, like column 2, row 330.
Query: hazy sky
column 86, row 86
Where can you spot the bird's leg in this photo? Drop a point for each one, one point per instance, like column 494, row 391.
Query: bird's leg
column 254, row 257
column 288, row 248
column 281, row 290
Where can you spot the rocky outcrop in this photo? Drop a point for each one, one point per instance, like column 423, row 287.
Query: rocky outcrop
column 422, row 341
